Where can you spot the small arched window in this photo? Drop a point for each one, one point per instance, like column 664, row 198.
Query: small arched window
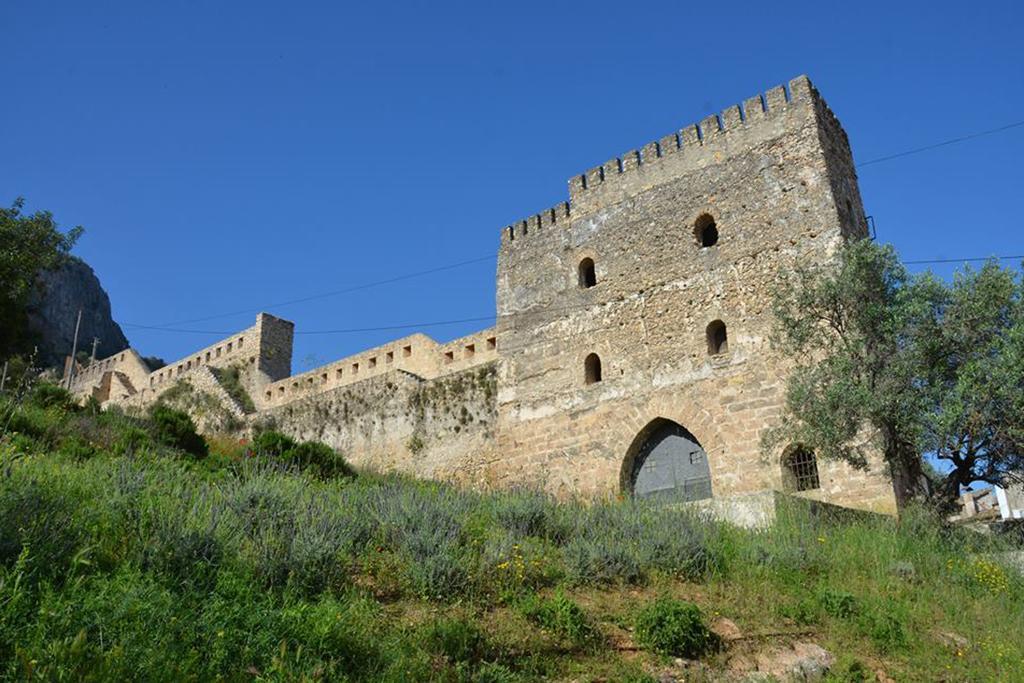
column 718, row 339
column 592, row 369
column 800, row 470
column 588, row 278
column 705, row 230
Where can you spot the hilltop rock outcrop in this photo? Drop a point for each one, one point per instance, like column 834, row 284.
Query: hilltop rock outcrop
column 54, row 308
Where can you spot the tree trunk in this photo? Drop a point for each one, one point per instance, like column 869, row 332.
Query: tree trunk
column 907, row 475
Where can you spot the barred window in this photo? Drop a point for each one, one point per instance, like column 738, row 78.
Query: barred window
column 800, row 470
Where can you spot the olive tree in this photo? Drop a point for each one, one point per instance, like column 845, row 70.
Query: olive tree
column 905, row 365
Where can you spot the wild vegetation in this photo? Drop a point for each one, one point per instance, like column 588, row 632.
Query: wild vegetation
column 130, row 552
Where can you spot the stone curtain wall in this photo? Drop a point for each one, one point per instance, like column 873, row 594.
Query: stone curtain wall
column 417, row 354
column 769, row 179
column 401, row 422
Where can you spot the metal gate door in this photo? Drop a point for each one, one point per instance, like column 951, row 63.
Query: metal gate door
column 671, row 465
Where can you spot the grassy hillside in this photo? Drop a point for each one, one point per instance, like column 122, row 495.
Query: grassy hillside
column 127, row 551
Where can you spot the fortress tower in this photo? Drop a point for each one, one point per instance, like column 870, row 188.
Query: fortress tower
column 631, row 354
column 635, row 319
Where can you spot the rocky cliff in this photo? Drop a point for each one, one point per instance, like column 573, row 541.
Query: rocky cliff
column 54, row 307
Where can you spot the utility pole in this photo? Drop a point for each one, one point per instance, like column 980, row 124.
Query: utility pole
column 74, row 350
column 95, row 343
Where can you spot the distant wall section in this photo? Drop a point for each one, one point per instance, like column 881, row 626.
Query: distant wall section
column 397, row 421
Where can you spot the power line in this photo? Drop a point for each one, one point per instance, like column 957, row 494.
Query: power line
column 400, row 278
column 965, row 260
column 487, row 318
column 322, row 295
column 951, row 141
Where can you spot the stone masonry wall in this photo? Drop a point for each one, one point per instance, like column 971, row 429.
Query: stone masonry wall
column 417, row 354
column 399, row 421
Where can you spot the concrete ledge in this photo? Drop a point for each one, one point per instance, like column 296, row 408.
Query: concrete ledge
column 760, row 509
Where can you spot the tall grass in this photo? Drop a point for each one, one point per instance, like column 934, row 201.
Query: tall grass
column 143, row 563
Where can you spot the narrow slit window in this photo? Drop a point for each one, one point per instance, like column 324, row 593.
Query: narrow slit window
column 592, row 369
column 587, row 275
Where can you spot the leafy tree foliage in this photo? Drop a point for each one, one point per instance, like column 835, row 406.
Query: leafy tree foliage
column 28, row 245
column 973, row 367
column 909, row 365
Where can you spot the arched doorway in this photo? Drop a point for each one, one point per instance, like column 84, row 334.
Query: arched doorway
column 666, row 462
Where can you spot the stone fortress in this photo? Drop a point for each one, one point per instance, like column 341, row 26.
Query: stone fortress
column 631, row 353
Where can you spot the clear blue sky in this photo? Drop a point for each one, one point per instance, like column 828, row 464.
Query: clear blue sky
column 229, row 155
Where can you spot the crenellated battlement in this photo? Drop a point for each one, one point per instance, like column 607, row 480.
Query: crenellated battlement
column 417, row 354
column 702, row 142
column 699, row 138
column 556, row 215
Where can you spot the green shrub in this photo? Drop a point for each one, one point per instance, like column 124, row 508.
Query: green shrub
column 317, row 458
column 272, row 443
column 803, row 611
column 76, row 448
column 676, row 628
column 130, row 441
column 314, row 457
column 884, row 625
column 458, row 640
column 176, row 429
column 46, row 395
column 839, row 604
column 561, row 615
column 849, row 669
column 31, row 421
